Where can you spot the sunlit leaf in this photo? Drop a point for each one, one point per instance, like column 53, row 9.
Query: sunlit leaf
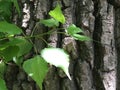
column 37, row 68
column 57, row 14
column 2, row 85
column 50, row 22
column 57, row 57
column 72, row 29
column 6, row 27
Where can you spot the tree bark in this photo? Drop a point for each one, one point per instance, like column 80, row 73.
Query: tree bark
column 94, row 64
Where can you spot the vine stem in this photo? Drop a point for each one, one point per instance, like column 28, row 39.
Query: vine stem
column 34, row 29
column 31, row 43
column 41, row 35
column 47, row 33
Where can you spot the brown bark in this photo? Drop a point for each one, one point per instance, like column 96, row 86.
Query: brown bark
column 94, row 64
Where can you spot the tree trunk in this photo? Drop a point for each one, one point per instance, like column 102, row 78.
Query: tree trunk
column 94, row 64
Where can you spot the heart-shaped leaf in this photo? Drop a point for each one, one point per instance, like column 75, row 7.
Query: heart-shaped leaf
column 57, row 14
column 37, row 68
column 57, row 57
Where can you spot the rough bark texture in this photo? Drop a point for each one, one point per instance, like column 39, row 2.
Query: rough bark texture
column 94, row 65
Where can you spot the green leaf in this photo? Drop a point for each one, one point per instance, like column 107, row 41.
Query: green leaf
column 37, row 68
column 15, row 2
column 18, row 60
column 72, row 29
column 57, row 57
column 2, row 69
column 12, row 29
column 81, row 37
column 2, row 35
column 12, row 42
column 50, row 22
column 57, row 14
column 25, row 46
column 9, row 52
column 5, row 9
column 2, row 85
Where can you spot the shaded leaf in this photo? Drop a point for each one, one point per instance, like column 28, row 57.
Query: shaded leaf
column 57, row 14
column 12, row 42
column 6, row 27
column 57, row 57
column 2, row 85
column 81, row 37
column 15, row 2
column 2, row 69
column 9, row 52
column 72, row 29
column 36, row 68
column 21, row 43
column 2, row 35
column 18, row 60
column 50, row 22
column 5, row 9
column 24, row 46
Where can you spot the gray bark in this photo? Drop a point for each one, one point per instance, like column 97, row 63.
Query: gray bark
column 94, row 65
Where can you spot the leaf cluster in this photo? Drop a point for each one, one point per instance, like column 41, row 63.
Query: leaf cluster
column 13, row 45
